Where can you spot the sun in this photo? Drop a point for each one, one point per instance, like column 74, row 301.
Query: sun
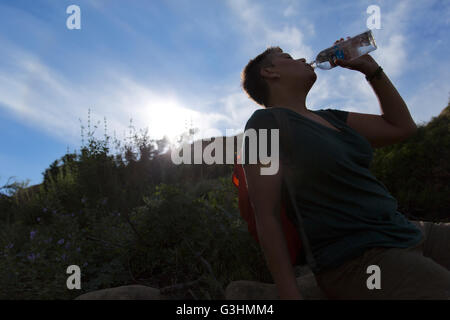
column 168, row 118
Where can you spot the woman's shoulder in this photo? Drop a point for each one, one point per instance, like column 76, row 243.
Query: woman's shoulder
column 261, row 119
column 335, row 114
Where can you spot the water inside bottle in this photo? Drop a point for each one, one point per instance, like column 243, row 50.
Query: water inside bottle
column 346, row 50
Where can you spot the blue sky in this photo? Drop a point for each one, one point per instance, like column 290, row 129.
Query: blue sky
column 169, row 63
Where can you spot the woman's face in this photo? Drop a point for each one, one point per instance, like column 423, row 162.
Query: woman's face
column 293, row 72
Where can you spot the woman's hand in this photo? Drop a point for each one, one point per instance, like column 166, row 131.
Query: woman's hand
column 365, row 63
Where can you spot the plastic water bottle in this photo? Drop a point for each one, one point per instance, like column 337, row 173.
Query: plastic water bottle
column 346, row 50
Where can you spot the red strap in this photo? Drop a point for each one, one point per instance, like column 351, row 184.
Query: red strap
column 246, row 211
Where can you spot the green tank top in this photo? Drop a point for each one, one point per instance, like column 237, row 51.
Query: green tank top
column 346, row 210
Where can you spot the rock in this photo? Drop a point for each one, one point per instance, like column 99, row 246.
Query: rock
column 253, row 290
column 302, row 271
column 133, row 292
column 236, row 290
column 309, row 288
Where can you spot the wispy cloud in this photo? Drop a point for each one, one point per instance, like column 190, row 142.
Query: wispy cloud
column 289, row 11
column 261, row 33
column 45, row 98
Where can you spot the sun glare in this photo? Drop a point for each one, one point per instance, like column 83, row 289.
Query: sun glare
column 170, row 120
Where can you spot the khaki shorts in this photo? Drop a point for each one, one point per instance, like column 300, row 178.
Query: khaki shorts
column 420, row 272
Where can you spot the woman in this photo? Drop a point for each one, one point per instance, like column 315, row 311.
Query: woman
column 350, row 218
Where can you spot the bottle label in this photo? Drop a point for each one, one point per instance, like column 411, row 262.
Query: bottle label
column 339, row 53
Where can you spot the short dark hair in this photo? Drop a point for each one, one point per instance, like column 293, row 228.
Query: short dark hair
column 252, row 82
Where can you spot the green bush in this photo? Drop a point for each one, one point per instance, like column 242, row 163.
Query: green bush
column 417, row 170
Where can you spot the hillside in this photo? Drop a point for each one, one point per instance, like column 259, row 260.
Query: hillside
column 417, row 170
